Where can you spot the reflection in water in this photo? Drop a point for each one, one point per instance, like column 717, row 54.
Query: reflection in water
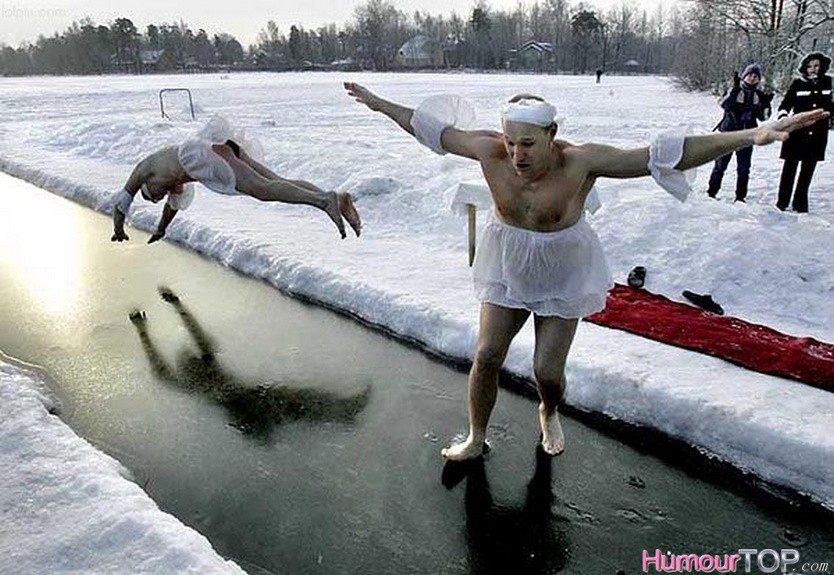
column 45, row 256
column 505, row 539
column 255, row 410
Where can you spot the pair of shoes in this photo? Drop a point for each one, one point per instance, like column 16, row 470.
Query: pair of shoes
column 742, row 200
column 704, row 302
column 137, row 316
column 637, row 277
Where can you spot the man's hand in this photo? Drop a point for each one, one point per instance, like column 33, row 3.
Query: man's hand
column 119, row 235
column 779, row 130
column 362, row 95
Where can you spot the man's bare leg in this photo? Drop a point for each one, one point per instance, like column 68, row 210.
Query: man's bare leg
column 346, row 207
column 498, row 327
column 252, row 183
column 257, row 166
column 554, row 336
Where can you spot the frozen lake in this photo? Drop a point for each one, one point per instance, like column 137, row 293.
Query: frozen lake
column 306, row 443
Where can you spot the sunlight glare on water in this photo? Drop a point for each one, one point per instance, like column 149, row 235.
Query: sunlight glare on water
column 49, row 265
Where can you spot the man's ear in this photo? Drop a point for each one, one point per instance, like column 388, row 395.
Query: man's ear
column 554, row 128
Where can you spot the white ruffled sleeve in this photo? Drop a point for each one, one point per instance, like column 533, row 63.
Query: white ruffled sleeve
column 437, row 113
column 664, row 154
column 122, row 201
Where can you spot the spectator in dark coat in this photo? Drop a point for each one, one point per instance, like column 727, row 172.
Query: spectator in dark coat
column 811, row 91
column 744, row 105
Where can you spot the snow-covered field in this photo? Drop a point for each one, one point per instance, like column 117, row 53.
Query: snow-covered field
column 79, row 137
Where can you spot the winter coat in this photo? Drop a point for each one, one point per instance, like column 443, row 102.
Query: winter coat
column 744, row 105
column 803, row 95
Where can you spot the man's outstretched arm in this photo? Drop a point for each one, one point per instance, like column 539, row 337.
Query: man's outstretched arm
column 123, row 200
column 469, row 144
column 168, row 214
column 699, row 150
column 400, row 114
column 611, row 162
column 119, row 234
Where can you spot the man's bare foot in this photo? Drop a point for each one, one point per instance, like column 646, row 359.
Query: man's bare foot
column 553, row 440
column 332, row 210
column 468, row 449
column 348, row 211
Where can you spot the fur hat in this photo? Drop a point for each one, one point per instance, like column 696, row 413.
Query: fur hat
column 825, row 62
column 752, row 69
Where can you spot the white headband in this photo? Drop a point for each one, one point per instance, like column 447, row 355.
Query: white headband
column 530, row 111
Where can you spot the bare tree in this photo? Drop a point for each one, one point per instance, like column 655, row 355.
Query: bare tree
column 772, row 32
column 587, row 31
column 480, row 24
column 381, row 30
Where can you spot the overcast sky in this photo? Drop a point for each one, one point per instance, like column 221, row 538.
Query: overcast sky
column 24, row 20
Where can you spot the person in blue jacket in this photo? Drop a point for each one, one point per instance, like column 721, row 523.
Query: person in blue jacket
column 744, row 106
column 810, row 91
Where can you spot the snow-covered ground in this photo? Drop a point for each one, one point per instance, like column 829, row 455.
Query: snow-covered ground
column 68, row 508
column 80, row 137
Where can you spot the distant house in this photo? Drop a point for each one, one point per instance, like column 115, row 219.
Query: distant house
column 262, row 60
column 157, row 60
column 190, row 65
column 632, row 66
column 124, row 64
column 532, row 55
column 420, row 52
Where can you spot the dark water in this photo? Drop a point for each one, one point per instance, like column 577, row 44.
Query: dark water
column 299, row 441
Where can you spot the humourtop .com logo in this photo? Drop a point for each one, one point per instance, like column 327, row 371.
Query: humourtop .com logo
column 745, row 561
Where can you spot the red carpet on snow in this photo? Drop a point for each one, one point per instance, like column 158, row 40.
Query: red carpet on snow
column 753, row 346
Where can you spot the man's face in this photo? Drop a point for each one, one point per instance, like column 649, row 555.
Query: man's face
column 529, row 148
column 813, row 67
column 751, row 79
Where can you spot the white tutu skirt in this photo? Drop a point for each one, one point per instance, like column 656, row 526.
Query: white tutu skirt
column 201, row 163
column 561, row 273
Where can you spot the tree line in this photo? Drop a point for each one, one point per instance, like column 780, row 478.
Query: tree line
column 90, row 48
column 698, row 41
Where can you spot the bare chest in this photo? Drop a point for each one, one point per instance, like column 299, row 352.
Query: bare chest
column 162, row 174
column 156, row 187
column 549, row 204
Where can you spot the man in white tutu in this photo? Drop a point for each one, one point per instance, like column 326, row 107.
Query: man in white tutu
column 538, row 255
column 217, row 158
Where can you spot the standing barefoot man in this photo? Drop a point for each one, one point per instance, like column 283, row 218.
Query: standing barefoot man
column 538, row 255
column 217, row 161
